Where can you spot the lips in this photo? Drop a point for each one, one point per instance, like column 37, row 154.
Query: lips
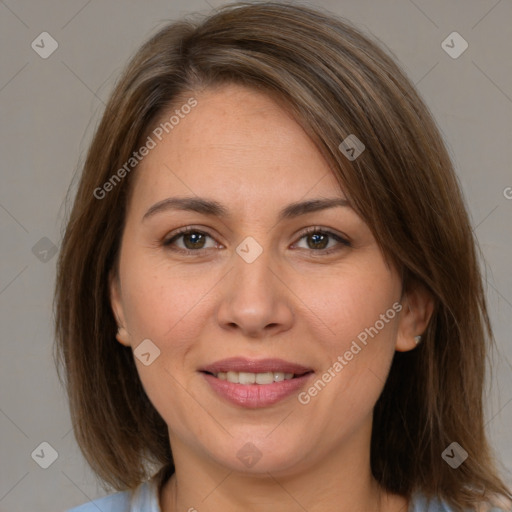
column 255, row 383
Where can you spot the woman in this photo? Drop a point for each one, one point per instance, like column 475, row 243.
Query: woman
column 269, row 225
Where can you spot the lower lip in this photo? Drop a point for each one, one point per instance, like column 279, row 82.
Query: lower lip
column 256, row 395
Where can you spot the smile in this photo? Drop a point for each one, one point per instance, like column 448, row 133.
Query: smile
column 255, row 383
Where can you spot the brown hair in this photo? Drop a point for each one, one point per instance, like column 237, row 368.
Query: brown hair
column 336, row 82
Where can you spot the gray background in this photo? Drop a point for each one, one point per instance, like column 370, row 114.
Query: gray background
column 49, row 108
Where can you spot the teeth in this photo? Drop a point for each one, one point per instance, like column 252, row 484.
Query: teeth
column 265, row 378
column 244, row 377
column 253, row 378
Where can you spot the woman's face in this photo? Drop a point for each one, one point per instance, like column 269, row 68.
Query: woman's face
column 255, row 293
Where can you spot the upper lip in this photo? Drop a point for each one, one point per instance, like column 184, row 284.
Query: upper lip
column 242, row 364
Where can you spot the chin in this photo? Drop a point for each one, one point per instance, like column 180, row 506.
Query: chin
column 259, row 454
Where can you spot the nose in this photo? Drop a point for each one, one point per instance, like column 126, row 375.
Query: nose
column 255, row 299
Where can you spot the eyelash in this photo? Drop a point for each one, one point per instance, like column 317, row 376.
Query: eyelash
column 313, row 230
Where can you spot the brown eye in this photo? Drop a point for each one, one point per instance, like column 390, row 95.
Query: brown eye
column 318, row 240
column 193, row 240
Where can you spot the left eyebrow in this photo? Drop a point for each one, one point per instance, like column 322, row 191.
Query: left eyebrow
column 214, row 208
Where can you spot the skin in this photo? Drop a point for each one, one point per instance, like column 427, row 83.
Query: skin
column 294, row 302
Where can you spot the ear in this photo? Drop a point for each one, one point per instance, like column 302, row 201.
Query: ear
column 417, row 308
column 122, row 334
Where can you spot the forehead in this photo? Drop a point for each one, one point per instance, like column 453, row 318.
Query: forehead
column 236, row 143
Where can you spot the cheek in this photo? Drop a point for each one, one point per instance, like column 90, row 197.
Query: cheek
column 352, row 301
column 357, row 353
column 161, row 303
column 165, row 310
column 359, row 318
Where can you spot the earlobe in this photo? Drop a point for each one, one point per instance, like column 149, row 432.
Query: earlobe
column 418, row 307
column 122, row 334
column 123, row 337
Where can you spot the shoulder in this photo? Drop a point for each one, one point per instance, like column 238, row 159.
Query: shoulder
column 117, row 502
column 419, row 503
column 142, row 499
